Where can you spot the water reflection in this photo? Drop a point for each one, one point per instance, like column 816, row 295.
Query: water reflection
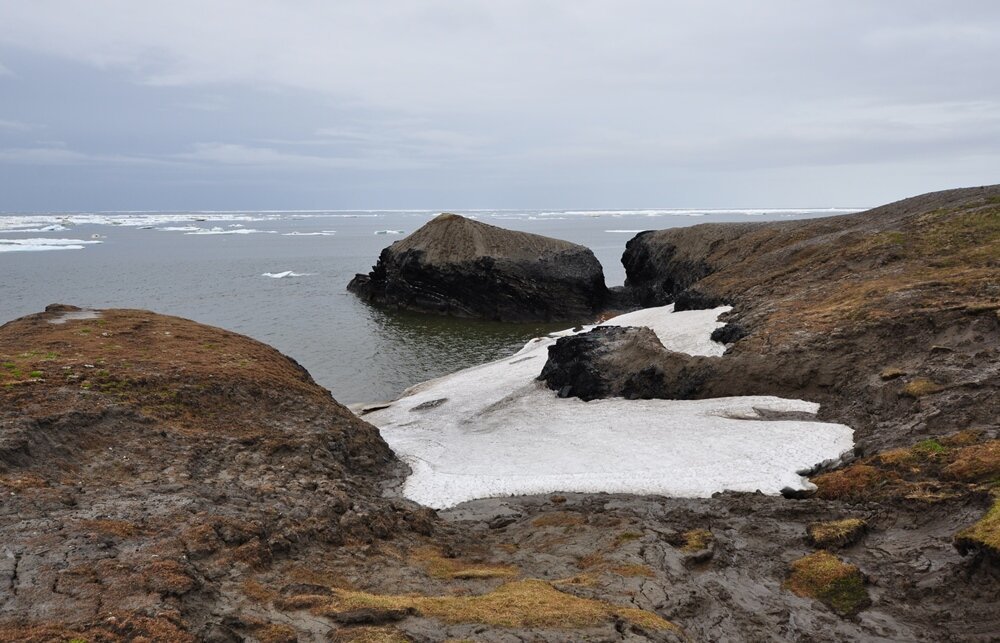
column 415, row 347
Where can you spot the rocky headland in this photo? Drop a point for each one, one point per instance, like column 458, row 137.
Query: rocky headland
column 461, row 267
column 168, row 481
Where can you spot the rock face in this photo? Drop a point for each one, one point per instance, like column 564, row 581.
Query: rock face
column 822, row 307
column 146, row 461
column 456, row 266
column 613, row 361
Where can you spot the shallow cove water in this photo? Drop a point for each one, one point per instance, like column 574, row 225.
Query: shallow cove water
column 211, row 266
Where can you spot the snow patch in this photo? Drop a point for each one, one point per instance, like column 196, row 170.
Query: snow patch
column 688, row 332
column 494, row 430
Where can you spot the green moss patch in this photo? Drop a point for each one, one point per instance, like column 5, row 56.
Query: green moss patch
column 984, row 536
column 824, row 577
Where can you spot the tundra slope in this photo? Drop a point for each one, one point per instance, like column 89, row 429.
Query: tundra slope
column 858, row 312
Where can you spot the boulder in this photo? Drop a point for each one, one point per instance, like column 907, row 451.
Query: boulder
column 629, row 362
column 463, row 268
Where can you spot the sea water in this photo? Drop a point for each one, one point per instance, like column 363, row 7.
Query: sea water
column 280, row 277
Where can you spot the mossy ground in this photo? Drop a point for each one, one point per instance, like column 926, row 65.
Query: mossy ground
column 836, row 533
column 828, row 579
column 930, row 470
column 984, row 535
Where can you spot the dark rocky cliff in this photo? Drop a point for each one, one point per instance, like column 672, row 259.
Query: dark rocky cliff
column 460, row 267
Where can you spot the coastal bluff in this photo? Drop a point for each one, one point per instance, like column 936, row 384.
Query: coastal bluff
column 463, row 268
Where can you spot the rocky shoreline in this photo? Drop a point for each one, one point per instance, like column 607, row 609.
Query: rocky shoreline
column 170, row 481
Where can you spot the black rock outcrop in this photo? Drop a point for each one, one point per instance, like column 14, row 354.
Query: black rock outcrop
column 614, row 361
column 459, row 267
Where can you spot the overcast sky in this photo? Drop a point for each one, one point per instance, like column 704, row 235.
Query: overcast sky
column 475, row 104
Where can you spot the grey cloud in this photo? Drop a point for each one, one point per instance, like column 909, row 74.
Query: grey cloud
column 586, row 103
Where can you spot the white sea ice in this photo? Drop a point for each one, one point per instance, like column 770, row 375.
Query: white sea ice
column 285, row 273
column 38, row 245
column 216, row 230
column 493, row 430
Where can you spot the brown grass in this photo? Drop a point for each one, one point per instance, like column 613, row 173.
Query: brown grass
column 896, row 457
column 257, row 592
column 962, row 438
column 301, row 602
column 633, row 571
column 439, row 566
column 836, row 533
column 920, row 387
column 891, row 373
column 370, row 635
column 526, row 603
column 975, row 463
column 167, row 577
column 116, row 626
column 697, row 540
column 105, row 527
column 560, row 519
column 23, row 481
column 826, row 578
column 857, row 481
column 276, row 633
column 625, row 537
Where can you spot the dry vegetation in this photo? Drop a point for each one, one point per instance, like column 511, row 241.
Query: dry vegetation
column 696, row 540
column 526, row 603
column 560, row 519
column 439, row 566
column 931, row 469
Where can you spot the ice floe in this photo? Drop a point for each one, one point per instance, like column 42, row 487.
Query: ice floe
column 494, row 430
column 218, row 230
column 286, row 273
column 323, row 233
column 37, row 245
column 389, row 232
